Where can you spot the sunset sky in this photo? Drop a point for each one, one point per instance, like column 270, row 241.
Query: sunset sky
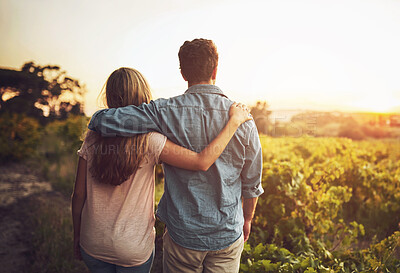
column 324, row 55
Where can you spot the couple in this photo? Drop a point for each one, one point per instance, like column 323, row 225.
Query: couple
column 212, row 165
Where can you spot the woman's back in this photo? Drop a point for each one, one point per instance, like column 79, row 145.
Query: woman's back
column 118, row 221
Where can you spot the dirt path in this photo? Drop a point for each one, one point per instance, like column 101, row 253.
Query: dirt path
column 16, row 183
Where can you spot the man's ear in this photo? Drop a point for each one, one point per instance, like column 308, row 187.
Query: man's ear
column 183, row 76
column 214, row 74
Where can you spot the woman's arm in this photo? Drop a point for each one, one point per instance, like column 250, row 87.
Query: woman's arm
column 178, row 156
column 78, row 200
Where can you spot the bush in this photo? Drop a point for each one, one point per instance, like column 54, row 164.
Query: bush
column 57, row 152
column 375, row 132
column 19, row 137
column 351, row 130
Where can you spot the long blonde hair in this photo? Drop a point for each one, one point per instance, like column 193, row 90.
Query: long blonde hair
column 117, row 158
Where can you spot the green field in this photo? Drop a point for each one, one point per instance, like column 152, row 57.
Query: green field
column 330, row 204
column 327, row 206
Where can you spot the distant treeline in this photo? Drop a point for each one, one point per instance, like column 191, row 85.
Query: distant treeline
column 356, row 126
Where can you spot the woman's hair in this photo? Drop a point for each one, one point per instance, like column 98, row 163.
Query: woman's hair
column 115, row 159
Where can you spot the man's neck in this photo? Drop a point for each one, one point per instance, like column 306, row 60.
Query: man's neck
column 211, row 81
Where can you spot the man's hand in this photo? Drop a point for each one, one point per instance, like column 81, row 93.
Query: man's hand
column 246, row 229
column 249, row 207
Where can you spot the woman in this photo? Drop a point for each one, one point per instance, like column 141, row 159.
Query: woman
column 113, row 199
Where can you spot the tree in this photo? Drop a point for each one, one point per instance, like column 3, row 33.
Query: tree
column 260, row 115
column 42, row 92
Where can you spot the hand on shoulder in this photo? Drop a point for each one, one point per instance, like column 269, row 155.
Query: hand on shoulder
column 239, row 113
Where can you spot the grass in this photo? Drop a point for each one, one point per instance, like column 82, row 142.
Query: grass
column 49, row 217
column 159, row 190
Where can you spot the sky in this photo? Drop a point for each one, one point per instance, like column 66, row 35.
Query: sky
column 311, row 54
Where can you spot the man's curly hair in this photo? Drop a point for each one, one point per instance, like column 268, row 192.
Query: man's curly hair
column 197, row 59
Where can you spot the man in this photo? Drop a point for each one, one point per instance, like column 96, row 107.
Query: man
column 207, row 214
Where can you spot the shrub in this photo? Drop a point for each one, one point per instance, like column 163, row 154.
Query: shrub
column 57, row 152
column 351, row 130
column 19, row 137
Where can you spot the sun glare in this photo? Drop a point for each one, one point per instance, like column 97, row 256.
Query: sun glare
column 319, row 55
column 376, row 104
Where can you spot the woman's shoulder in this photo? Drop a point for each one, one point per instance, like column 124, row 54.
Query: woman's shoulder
column 89, row 138
column 156, row 143
column 90, row 134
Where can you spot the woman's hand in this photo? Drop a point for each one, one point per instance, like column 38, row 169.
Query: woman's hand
column 77, row 249
column 239, row 113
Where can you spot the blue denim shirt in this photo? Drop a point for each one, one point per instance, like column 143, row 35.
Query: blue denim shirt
column 203, row 209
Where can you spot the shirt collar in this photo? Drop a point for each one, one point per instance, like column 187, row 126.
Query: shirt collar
column 205, row 88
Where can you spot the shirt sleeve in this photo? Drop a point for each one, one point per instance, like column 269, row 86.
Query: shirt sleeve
column 156, row 145
column 252, row 170
column 127, row 121
column 85, row 149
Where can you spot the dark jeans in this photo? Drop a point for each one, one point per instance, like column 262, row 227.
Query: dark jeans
column 98, row 266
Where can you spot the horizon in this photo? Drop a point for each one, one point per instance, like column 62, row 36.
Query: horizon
column 337, row 56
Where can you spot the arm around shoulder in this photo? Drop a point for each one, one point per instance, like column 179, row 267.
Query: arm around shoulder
column 180, row 157
column 183, row 158
column 127, row 121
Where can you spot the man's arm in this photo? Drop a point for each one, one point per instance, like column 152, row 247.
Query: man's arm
column 251, row 179
column 249, row 207
column 127, row 121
